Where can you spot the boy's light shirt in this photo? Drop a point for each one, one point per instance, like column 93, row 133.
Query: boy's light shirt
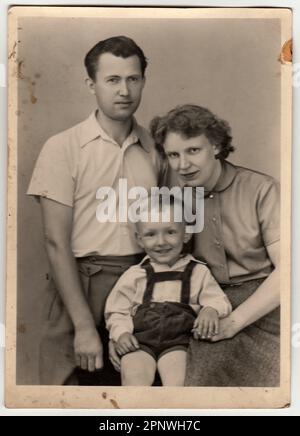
column 128, row 293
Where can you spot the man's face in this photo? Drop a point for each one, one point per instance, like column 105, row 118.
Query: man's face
column 118, row 86
column 193, row 159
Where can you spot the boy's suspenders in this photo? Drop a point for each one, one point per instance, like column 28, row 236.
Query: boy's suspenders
column 154, row 277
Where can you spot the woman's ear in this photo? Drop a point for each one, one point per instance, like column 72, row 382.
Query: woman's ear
column 216, row 150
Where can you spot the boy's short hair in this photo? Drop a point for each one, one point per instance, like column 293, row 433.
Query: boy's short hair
column 190, row 121
column 120, row 46
column 159, row 203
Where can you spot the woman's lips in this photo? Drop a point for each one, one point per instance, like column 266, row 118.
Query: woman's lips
column 189, row 176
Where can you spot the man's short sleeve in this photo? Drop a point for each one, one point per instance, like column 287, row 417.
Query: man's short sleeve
column 52, row 175
column 268, row 209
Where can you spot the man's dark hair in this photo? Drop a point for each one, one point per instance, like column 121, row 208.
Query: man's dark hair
column 120, row 46
column 190, row 121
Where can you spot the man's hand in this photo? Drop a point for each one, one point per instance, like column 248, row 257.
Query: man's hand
column 58, row 226
column 126, row 343
column 206, row 324
column 88, row 349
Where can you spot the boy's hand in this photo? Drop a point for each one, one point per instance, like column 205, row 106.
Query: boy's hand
column 126, row 343
column 88, row 349
column 206, row 324
column 113, row 355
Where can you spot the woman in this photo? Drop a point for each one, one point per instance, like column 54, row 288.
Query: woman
column 239, row 243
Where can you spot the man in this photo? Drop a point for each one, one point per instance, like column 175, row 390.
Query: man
column 87, row 256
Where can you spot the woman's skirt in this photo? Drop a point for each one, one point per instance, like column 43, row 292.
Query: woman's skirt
column 251, row 358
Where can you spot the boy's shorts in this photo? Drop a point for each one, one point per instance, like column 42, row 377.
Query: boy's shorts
column 163, row 327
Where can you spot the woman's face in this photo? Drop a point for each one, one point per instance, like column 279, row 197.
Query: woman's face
column 193, row 159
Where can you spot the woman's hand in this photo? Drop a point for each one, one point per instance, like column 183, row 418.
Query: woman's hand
column 265, row 299
column 228, row 327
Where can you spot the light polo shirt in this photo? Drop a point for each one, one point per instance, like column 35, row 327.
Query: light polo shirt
column 127, row 295
column 74, row 164
column 241, row 219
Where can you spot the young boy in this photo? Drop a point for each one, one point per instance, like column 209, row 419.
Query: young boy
column 155, row 305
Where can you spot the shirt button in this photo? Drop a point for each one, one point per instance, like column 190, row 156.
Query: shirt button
column 214, row 219
column 217, row 243
column 211, row 196
column 152, row 305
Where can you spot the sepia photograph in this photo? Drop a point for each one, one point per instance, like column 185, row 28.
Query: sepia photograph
column 149, row 207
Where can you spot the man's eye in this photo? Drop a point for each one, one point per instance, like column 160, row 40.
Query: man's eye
column 149, row 235
column 172, row 232
column 173, row 155
column 134, row 79
column 194, row 150
column 113, row 80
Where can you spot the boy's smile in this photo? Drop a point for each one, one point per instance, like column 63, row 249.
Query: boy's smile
column 162, row 241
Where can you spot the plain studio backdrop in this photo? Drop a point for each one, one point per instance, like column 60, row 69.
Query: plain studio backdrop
column 227, row 65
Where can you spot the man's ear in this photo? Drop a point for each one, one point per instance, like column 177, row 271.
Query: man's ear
column 90, row 84
column 187, row 237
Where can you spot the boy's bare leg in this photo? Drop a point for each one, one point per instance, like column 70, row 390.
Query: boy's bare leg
column 171, row 367
column 137, row 369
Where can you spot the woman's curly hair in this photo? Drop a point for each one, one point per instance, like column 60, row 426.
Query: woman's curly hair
column 190, row 121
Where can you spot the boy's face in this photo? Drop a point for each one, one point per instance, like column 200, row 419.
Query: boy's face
column 118, row 86
column 162, row 241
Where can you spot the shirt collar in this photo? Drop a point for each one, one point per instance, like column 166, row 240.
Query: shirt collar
column 181, row 263
column 227, row 176
column 91, row 130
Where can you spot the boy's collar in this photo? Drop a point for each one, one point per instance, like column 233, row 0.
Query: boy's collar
column 181, row 262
